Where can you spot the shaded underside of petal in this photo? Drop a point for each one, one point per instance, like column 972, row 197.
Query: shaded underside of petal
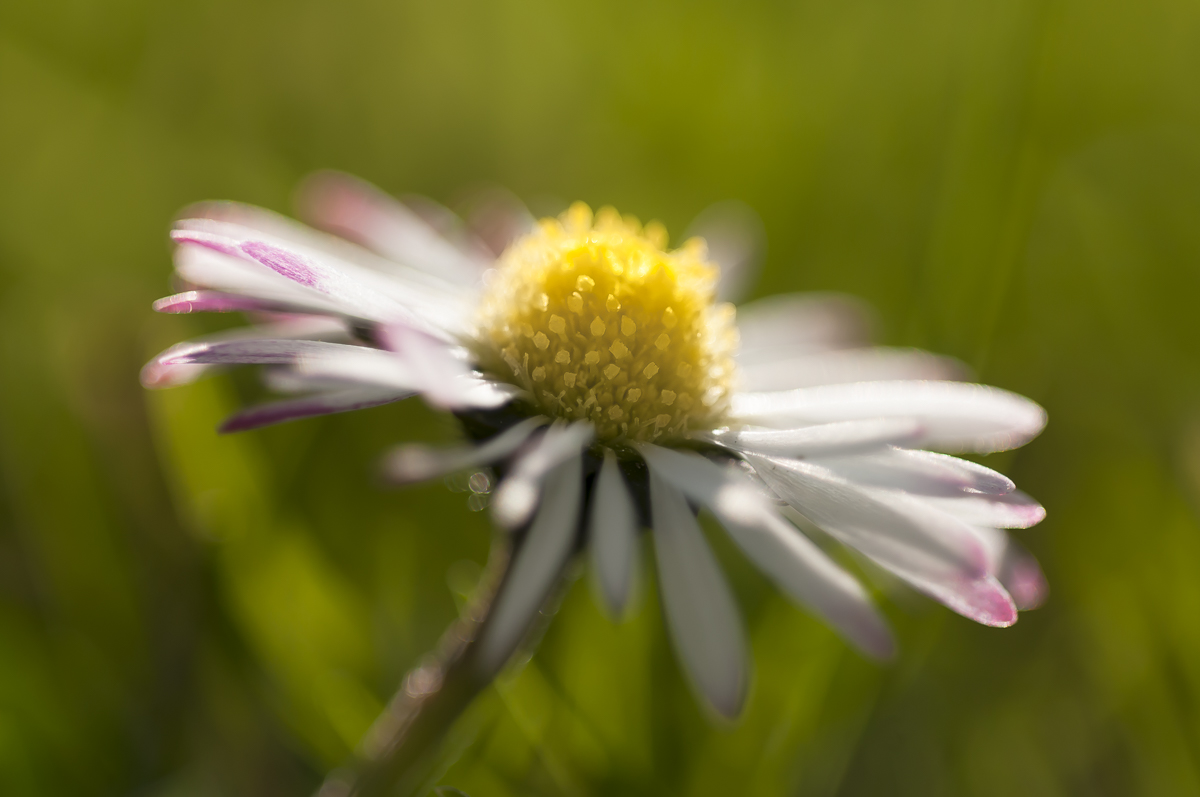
column 612, row 536
column 308, row 407
column 702, row 617
column 417, row 462
column 537, row 565
column 517, row 495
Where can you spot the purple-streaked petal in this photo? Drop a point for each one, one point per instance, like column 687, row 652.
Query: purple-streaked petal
column 779, row 550
column 517, row 496
column 737, row 242
column 612, row 536
column 253, row 351
column 873, row 519
column 1013, row 511
column 702, row 617
column 954, row 416
column 362, row 213
column 850, row 365
column 537, row 566
column 786, row 325
column 922, row 472
column 212, row 302
column 233, row 274
column 308, row 407
column 417, row 462
column 843, row 437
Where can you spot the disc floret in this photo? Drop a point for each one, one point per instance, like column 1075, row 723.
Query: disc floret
column 596, row 321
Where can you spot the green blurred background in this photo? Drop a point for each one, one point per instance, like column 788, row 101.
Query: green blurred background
column 1013, row 183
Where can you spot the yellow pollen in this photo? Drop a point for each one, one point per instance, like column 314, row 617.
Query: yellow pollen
column 607, row 292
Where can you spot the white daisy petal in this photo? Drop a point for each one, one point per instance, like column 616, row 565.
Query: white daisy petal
column 612, row 536
column 1013, row 511
column 953, row 415
column 416, row 462
column 701, row 615
column 777, row 548
column 736, row 242
column 517, row 495
column 536, row 567
column 843, row 437
column 230, row 273
column 922, row 472
column 934, row 552
column 862, row 517
column 780, row 327
column 361, row 212
column 851, row 365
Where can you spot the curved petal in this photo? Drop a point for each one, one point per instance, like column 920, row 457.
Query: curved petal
column 360, row 212
column 934, row 552
column 416, row 462
column 612, row 536
column 922, row 472
column 308, row 407
column 517, row 496
column 702, row 617
column 783, row 326
column 1013, row 511
column 537, row 565
column 954, row 416
column 849, row 365
column 780, row 550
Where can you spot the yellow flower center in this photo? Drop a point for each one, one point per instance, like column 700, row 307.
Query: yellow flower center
column 597, row 322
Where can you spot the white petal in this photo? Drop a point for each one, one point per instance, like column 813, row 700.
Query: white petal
column 701, row 615
column 1013, row 511
column 850, row 365
column 843, row 437
column 737, row 242
column 921, row 472
column 361, row 212
column 783, row 326
column 209, row 268
column 612, row 536
column 953, row 415
column 537, row 565
column 778, row 549
column 934, row 552
column 417, row 462
column 517, row 495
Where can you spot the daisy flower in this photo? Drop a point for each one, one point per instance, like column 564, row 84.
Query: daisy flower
column 600, row 377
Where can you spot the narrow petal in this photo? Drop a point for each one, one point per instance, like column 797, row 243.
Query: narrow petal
column 844, row 437
column 782, row 552
column 612, row 536
column 254, row 351
column 1013, row 511
column 416, row 462
column 737, row 242
column 1015, row 567
column 212, row 302
column 233, row 274
column 537, row 565
column 517, row 495
column 850, row 365
column 922, row 472
column 934, row 552
column 786, row 325
column 360, row 212
column 701, row 615
column 955, row 416
column 308, row 407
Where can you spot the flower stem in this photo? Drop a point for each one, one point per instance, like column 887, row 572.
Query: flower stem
column 400, row 751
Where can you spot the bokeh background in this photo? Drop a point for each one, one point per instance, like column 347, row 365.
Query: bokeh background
column 1014, row 182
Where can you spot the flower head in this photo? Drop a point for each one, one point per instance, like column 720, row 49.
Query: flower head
column 596, row 371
